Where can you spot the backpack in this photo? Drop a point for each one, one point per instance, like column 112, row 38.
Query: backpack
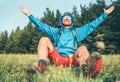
column 74, row 34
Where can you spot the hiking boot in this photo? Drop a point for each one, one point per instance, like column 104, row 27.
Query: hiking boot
column 31, row 70
column 42, row 65
column 96, row 55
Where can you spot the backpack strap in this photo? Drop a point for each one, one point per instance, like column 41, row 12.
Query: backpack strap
column 58, row 36
column 75, row 39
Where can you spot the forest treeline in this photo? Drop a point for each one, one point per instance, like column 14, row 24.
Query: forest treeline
column 26, row 40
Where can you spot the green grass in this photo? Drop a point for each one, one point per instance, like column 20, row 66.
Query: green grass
column 13, row 69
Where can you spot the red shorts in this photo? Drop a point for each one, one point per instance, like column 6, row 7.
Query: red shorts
column 58, row 60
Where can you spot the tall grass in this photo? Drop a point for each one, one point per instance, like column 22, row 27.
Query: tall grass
column 13, row 69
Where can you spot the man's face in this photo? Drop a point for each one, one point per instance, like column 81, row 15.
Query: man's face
column 66, row 21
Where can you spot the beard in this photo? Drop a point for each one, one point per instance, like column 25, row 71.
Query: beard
column 66, row 25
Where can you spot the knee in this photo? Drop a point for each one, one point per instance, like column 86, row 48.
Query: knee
column 83, row 48
column 43, row 39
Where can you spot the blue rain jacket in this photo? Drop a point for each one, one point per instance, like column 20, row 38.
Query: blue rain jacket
column 66, row 39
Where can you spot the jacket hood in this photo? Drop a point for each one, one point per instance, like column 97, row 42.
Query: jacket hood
column 61, row 17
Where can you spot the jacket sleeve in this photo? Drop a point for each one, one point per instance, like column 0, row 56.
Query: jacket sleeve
column 84, row 31
column 50, row 31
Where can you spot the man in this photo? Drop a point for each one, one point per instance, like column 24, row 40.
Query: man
column 65, row 50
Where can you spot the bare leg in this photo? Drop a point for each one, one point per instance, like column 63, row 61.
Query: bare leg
column 81, row 55
column 44, row 47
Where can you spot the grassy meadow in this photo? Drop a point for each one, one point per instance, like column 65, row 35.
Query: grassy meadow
column 13, row 69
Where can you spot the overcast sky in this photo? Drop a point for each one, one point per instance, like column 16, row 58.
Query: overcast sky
column 11, row 17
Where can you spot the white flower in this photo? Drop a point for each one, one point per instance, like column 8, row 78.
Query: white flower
column 100, row 45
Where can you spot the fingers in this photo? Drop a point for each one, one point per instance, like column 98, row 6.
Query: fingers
column 112, row 7
column 23, row 10
column 108, row 11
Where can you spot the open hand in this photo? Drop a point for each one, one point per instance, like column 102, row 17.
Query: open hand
column 108, row 11
column 26, row 12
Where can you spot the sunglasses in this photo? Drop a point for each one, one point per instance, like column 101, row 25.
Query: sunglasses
column 67, row 17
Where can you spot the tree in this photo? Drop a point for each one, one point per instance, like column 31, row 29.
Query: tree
column 36, row 35
column 49, row 17
column 3, row 41
column 57, row 17
column 76, row 16
column 25, row 39
column 12, row 43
